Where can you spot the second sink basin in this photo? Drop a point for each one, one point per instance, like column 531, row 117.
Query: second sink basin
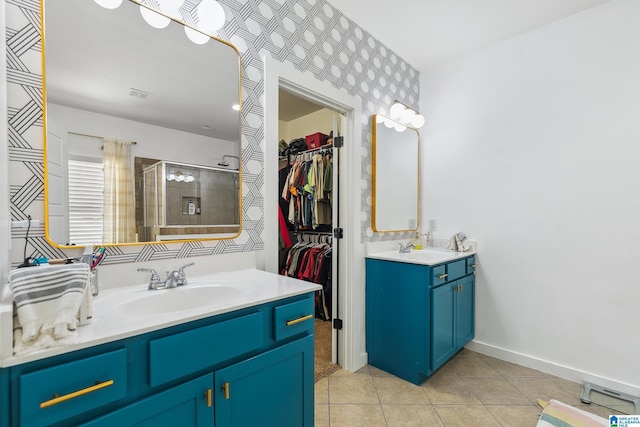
column 178, row 299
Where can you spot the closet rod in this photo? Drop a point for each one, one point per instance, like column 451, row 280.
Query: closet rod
column 93, row 136
column 322, row 147
column 327, row 233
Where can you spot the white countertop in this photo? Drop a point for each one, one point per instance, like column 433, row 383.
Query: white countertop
column 421, row 256
column 110, row 323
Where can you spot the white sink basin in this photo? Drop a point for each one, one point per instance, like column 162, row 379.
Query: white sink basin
column 178, row 299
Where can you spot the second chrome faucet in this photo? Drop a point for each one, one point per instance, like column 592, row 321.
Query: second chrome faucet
column 174, row 278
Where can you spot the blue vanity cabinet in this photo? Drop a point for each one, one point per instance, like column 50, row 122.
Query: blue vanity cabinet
column 453, row 314
column 189, row 404
column 273, row 389
column 417, row 316
column 172, row 376
column 4, row 397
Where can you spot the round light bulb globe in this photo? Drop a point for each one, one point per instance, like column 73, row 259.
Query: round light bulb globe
column 210, row 16
column 396, row 110
column 418, row 121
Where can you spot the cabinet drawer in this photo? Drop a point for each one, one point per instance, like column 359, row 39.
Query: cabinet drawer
column 293, row 319
column 456, row 270
column 181, row 354
column 471, row 265
column 54, row 394
column 448, row 272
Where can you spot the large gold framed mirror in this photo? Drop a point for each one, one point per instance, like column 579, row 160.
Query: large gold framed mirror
column 395, row 183
column 114, row 83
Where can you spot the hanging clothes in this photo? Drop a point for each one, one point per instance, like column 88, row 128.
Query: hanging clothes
column 306, row 190
column 311, row 261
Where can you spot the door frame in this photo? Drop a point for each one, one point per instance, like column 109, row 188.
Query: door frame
column 351, row 345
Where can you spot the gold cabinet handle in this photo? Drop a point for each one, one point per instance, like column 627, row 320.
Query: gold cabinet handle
column 442, row 276
column 225, row 387
column 209, row 396
column 299, row 320
column 75, row 394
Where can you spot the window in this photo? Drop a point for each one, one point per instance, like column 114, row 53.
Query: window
column 86, row 187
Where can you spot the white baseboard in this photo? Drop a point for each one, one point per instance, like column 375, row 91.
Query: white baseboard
column 551, row 368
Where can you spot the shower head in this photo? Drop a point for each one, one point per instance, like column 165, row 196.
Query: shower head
column 225, row 163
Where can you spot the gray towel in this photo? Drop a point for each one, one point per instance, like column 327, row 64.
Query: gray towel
column 47, row 298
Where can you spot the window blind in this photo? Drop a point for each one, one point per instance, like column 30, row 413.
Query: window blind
column 86, row 187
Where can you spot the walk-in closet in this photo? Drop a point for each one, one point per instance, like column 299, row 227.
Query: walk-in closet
column 306, row 210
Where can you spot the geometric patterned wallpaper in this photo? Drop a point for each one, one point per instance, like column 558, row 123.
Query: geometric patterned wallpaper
column 311, row 34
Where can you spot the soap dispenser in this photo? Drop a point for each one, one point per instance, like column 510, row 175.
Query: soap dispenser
column 192, row 207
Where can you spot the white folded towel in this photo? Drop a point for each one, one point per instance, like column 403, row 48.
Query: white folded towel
column 458, row 243
column 47, row 299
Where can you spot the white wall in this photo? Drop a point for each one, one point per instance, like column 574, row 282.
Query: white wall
column 318, row 121
column 532, row 148
column 152, row 141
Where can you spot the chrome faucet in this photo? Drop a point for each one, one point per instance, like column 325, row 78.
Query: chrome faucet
column 405, row 249
column 174, row 278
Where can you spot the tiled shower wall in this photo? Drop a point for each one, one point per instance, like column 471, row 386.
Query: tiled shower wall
column 311, row 34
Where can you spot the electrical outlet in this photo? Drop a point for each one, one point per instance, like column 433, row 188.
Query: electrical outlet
column 25, row 223
column 433, row 225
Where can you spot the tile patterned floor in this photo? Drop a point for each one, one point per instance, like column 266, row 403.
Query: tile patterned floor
column 471, row 390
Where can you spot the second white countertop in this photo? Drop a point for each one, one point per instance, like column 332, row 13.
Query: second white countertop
column 421, row 256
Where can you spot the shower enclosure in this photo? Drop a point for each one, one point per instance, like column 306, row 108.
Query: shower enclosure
column 189, row 201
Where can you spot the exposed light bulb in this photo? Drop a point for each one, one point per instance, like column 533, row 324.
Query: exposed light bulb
column 109, row 4
column 389, row 123
column 153, row 18
column 189, row 178
column 210, row 16
column 379, row 118
column 235, row 107
column 418, row 121
column 171, row 177
column 196, row 36
column 408, row 115
column 399, row 127
column 397, row 110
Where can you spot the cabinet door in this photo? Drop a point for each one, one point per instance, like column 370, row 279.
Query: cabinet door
column 271, row 389
column 443, row 339
column 189, row 404
column 465, row 311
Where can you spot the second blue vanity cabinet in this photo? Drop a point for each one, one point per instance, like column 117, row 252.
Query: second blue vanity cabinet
column 417, row 315
column 453, row 311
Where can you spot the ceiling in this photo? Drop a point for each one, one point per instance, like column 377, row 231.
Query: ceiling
column 94, row 62
column 427, row 33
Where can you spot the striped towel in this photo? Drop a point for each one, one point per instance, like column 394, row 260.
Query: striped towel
column 47, row 299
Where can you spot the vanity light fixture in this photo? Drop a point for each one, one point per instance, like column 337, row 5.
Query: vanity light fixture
column 406, row 115
column 209, row 15
column 179, row 177
column 390, row 123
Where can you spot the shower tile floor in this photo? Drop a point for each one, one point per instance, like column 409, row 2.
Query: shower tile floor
column 471, row 390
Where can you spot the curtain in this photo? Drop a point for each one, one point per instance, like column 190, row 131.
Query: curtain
column 119, row 200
